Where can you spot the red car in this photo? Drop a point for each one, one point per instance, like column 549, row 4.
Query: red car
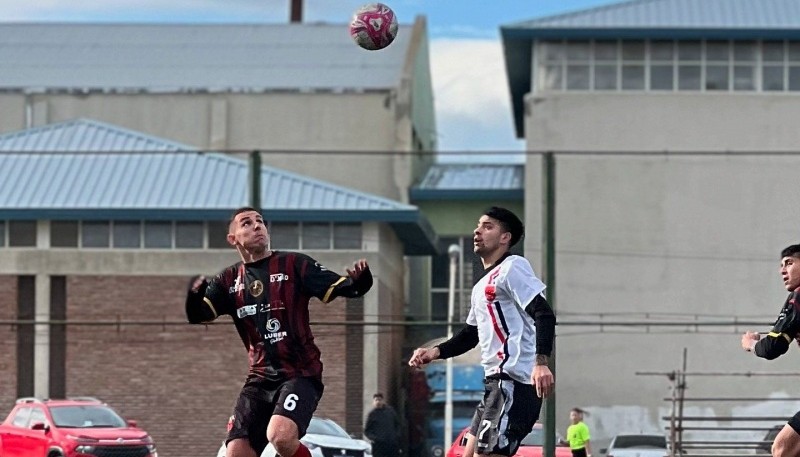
column 78, row 427
column 531, row 445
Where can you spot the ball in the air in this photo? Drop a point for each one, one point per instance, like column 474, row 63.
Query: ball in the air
column 374, row 26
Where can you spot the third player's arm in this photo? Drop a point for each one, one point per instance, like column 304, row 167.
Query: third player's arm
column 460, row 343
column 786, row 328
column 545, row 322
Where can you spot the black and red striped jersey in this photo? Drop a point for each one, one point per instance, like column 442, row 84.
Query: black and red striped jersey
column 268, row 301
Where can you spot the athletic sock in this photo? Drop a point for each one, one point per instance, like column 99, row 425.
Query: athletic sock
column 302, row 451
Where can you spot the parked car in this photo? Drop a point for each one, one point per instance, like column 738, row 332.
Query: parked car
column 75, row 427
column 324, row 437
column 531, row 445
column 637, row 445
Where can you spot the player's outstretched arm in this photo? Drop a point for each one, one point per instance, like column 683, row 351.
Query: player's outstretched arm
column 423, row 356
column 198, row 308
column 774, row 345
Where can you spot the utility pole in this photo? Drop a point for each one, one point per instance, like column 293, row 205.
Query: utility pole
column 549, row 249
column 255, row 180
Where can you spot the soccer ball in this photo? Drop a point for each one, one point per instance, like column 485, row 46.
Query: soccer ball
column 374, row 26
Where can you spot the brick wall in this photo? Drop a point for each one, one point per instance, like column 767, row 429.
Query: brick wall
column 179, row 382
column 8, row 335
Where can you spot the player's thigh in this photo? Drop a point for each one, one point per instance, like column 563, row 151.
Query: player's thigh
column 787, row 443
column 510, row 410
column 239, row 447
column 297, row 400
column 249, row 419
column 469, row 448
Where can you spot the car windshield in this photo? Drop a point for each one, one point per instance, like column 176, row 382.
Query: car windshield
column 648, row 441
column 326, row 427
column 86, row 416
column 534, row 438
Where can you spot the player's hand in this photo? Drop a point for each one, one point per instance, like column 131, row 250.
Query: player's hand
column 543, row 380
column 358, row 268
column 422, row 356
column 749, row 340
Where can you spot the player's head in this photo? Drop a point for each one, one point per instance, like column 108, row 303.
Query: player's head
column 378, row 400
column 247, row 229
column 790, row 267
column 498, row 228
column 576, row 415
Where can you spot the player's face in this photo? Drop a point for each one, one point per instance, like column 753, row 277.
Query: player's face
column 249, row 231
column 790, row 272
column 574, row 416
column 489, row 236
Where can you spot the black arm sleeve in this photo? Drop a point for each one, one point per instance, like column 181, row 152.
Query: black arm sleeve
column 197, row 311
column 460, row 343
column 352, row 288
column 545, row 322
column 773, row 346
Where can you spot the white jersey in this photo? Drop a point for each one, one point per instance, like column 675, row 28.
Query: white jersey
column 506, row 332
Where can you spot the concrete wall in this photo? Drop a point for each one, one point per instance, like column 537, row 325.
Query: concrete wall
column 664, row 237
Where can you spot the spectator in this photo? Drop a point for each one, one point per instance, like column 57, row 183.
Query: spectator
column 383, row 428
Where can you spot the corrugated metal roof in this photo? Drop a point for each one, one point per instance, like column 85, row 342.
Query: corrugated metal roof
column 727, row 14
column 84, row 169
column 99, row 171
column 171, row 57
column 471, row 181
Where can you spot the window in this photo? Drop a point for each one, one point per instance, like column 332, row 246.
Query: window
column 189, row 235
column 127, row 234
column 218, row 235
column 316, row 236
column 64, row 234
column 95, row 234
column 21, row 417
column 157, row 235
column 347, row 236
column 22, row 233
column 2, row 233
column 284, row 235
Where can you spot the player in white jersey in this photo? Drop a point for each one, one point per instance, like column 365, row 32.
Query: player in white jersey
column 515, row 326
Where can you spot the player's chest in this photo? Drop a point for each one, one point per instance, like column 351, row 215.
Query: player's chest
column 261, row 291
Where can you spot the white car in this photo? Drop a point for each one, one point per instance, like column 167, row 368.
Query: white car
column 324, row 437
column 638, row 445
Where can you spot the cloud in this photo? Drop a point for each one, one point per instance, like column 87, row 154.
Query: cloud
column 473, row 104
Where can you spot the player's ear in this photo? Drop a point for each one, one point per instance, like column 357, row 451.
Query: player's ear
column 231, row 239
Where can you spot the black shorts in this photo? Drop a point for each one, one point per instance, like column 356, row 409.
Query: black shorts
column 259, row 400
column 505, row 415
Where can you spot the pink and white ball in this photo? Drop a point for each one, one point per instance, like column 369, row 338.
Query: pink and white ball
column 374, row 26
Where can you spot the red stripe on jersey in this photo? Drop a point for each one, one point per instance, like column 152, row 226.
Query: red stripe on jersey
column 490, row 304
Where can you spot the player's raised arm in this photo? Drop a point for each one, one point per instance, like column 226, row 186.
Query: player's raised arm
column 199, row 309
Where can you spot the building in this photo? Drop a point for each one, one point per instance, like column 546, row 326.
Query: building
column 99, row 240
column 673, row 124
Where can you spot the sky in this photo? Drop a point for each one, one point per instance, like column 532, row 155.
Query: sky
column 472, row 101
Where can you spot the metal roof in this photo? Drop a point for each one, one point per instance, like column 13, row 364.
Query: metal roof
column 471, row 181
column 84, row 169
column 645, row 19
column 191, row 57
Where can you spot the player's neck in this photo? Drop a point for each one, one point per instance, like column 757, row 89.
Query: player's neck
column 254, row 256
column 492, row 258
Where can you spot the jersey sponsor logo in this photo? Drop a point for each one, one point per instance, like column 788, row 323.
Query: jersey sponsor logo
column 256, row 288
column 278, row 277
column 247, row 310
column 237, row 286
column 274, row 335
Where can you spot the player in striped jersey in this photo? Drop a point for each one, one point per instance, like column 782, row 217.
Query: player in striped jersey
column 514, row 325
column 267, row 295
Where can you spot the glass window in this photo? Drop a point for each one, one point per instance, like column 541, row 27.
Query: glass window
column 157, row 234
column 577, row 77
column 689, row 77
column 633, row 50
column 21, row 417
column 794, row 51
column 95, row 234
column 772, row 78
column 284, row 235
column 347, row 236
column 661, row 77
column 605, row 50
column 794, row 78
column 744, row 77
column 744, row 51
column 717, row 77
column 662, row 50
column 605, row 77
column 2, row 233
column 633, row 77
column 22, row 233
column 552, row 51
column 189, row 235
column 689, row 51
column 127, row 234
column 718, row 51
column 64, row 234
column 218, row 235
column 772, row 51
column 37, row 416
column 552, row 77
column 316, row 236
column 578, row 51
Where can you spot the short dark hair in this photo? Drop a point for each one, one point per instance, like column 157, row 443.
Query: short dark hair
column 791, row 251
column 509, row 221
column 241, row 210
column 377, row 395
